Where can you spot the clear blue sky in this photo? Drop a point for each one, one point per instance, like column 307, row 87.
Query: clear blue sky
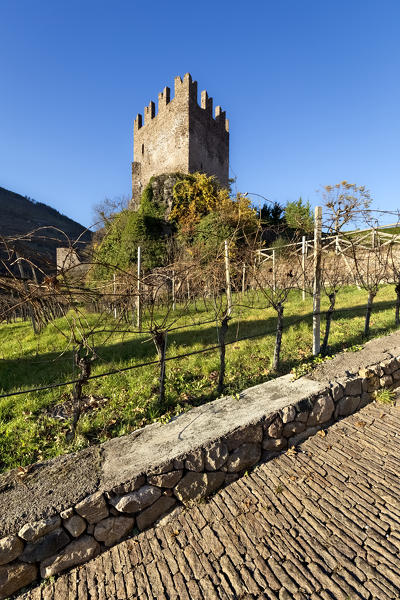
column 311, row 89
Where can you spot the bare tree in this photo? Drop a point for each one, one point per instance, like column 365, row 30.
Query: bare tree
column 344, row 203
column 104, row 211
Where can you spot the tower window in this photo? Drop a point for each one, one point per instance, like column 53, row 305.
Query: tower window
column 142, row 148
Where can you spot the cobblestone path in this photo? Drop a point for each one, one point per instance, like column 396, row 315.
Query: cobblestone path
column 322, row 522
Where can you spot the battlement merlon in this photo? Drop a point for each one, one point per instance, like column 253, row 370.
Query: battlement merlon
column 220, row 117
column 184, row 88
column 138, row 123
column 206, row 103
column 149, row 112
column 164, row 98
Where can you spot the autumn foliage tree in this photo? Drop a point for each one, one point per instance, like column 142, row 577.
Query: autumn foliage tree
column 205, row 213
column 194, row 197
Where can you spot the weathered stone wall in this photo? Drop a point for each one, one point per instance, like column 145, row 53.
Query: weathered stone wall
column 182, row 137
column 163, row 194
column 145, row 475
column 66, row 259
column 208, row 140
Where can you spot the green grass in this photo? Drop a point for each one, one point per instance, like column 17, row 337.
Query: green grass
column 391, row 230
column 125, row 401
column 385, row 396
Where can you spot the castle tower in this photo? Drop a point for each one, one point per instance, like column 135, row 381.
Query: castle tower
column 183, row 137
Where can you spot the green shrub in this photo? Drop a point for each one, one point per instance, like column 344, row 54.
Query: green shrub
column 211, row 232
column 127, row 231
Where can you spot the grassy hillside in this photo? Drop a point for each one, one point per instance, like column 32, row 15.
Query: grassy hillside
column 33, row 426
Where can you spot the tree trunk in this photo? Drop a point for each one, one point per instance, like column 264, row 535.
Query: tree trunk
column 30, row 308
column 371, row 297
column 397, row 316
column 84, row 364
column 160, row 341
column 221, row 340
column 278, row 339
column 329, row 314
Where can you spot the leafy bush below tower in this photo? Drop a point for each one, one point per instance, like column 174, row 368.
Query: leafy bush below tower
column 186, row 213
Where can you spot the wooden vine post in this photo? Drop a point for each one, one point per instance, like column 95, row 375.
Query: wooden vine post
column 228, row 281
column 274, row 270
column 138, row 303
column 303, row 264
column 115, row 296
column 243, row 280
column 173, row 292
column 317, row 281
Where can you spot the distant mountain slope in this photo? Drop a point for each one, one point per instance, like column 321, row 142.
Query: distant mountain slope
column 20, row 215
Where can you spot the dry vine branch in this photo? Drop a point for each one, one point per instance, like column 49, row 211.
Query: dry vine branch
column 333, row 279
column 276, row 287
column 371, row 267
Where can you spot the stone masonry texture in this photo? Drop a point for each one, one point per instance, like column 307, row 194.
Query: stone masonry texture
column 322, row 522
column 183, row 137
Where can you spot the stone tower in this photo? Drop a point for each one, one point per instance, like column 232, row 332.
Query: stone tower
column 183, row 137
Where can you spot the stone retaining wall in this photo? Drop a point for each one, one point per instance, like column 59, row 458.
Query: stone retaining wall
column 279, row 415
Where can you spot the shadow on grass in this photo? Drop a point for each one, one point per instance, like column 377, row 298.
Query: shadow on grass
column 49, row 368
